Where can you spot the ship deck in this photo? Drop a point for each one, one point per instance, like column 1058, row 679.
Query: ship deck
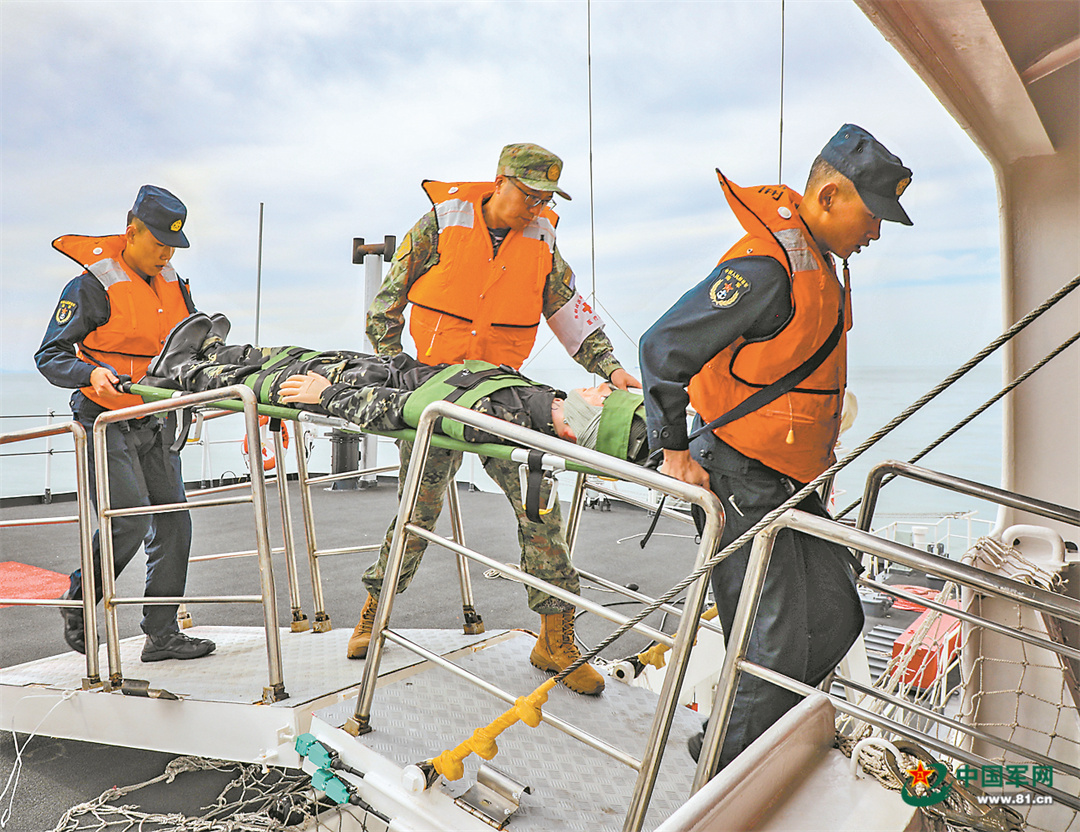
column 218, row 714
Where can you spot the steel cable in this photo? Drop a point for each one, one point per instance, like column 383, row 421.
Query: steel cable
column 977, row 412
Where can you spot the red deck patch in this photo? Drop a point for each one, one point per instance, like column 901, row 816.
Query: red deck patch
column 20, row 580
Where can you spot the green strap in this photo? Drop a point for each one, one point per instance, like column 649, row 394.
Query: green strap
column 262, row 380
column 613, row 433
column 463, row 384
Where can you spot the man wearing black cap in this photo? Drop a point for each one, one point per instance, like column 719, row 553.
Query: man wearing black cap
column 110, row 322
column 759, row 350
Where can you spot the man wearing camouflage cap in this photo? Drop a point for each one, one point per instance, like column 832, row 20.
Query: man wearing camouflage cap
column 480, row 269
column 759, row 350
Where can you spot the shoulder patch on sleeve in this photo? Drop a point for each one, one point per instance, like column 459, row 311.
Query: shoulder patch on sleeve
column 404, row 248
column 65, row 311
column 728, row 287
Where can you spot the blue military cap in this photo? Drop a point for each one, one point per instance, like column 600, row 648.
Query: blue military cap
column 878, row 175
column 163, row 214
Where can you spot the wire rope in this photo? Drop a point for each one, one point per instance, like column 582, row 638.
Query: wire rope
column 1004, row 391
column 780, row 139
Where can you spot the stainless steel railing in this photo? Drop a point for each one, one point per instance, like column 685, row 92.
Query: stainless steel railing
column 556, row 454
column 473, row 623
column 275, row 690
column 82, row 483
column 977, row 580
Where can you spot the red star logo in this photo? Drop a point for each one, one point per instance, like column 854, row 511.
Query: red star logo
column 727, row 287
column 920, row 774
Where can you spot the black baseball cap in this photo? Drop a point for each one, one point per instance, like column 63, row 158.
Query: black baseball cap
column 878, row 175
column 163, row 214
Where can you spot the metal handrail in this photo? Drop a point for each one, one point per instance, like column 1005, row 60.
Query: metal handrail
column 86, row 556
column 571, row 455
column 999, row 496
column 275, row 691
column 473, row 622
column 735, row 661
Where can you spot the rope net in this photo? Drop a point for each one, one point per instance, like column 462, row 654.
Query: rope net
column 1016, row 692
column 255, row 800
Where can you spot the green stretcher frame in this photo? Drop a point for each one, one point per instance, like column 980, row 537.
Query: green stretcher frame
column 157, row 394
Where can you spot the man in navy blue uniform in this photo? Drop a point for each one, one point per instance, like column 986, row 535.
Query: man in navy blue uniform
column 110, row 322
column 759, row 350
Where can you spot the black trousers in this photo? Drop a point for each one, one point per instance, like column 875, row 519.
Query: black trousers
column 143, row 471
column 809, row 614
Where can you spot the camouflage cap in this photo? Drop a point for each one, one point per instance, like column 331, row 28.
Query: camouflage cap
column 532, row 166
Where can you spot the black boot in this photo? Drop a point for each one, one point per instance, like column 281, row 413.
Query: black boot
column 181, row 347
column 219, row 326
column 74, row 632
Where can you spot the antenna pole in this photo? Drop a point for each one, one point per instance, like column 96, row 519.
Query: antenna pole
column 780, row 159
column 592, row 195
column 258, row 276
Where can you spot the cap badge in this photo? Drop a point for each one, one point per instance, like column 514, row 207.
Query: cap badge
column 902, row 185
column 176, row 226
column 553, row 173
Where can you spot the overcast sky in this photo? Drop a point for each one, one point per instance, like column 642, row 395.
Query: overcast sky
column 331, row 113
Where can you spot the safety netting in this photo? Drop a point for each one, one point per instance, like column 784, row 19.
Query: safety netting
column 1022, row 695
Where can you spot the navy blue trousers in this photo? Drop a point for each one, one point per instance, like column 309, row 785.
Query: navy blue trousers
column 809, row 614
column 143, row 471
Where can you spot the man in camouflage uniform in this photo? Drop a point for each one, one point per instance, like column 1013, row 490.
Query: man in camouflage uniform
column 479, row 268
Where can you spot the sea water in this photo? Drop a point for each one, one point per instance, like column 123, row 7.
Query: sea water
column 32, row 467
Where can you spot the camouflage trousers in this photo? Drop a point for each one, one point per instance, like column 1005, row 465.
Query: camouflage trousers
column 543, row 546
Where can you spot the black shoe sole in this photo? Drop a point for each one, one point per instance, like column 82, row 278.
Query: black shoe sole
column 165, row 655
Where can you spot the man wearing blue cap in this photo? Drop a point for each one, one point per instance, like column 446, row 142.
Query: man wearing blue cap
column 759, row 350
column 110, row 322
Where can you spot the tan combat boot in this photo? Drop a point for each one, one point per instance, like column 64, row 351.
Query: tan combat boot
column 555, row 650
column 361, row 635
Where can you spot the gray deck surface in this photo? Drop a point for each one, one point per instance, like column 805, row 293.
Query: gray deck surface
column 573, row 786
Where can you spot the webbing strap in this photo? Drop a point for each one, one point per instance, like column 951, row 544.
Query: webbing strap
column 262, row 380
column 464, row 384
column 783, row 385
column 535, row 481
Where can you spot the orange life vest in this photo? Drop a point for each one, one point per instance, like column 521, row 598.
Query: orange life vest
column 141, row 314
column 471, row 305
column 796, row 433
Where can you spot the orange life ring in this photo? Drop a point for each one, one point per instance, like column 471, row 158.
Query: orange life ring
column 269, row 458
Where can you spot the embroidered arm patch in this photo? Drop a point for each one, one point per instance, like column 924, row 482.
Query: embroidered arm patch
column 728, row 288
column 65, row 311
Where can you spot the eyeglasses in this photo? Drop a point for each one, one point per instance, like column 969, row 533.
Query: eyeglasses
column 532, row 200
